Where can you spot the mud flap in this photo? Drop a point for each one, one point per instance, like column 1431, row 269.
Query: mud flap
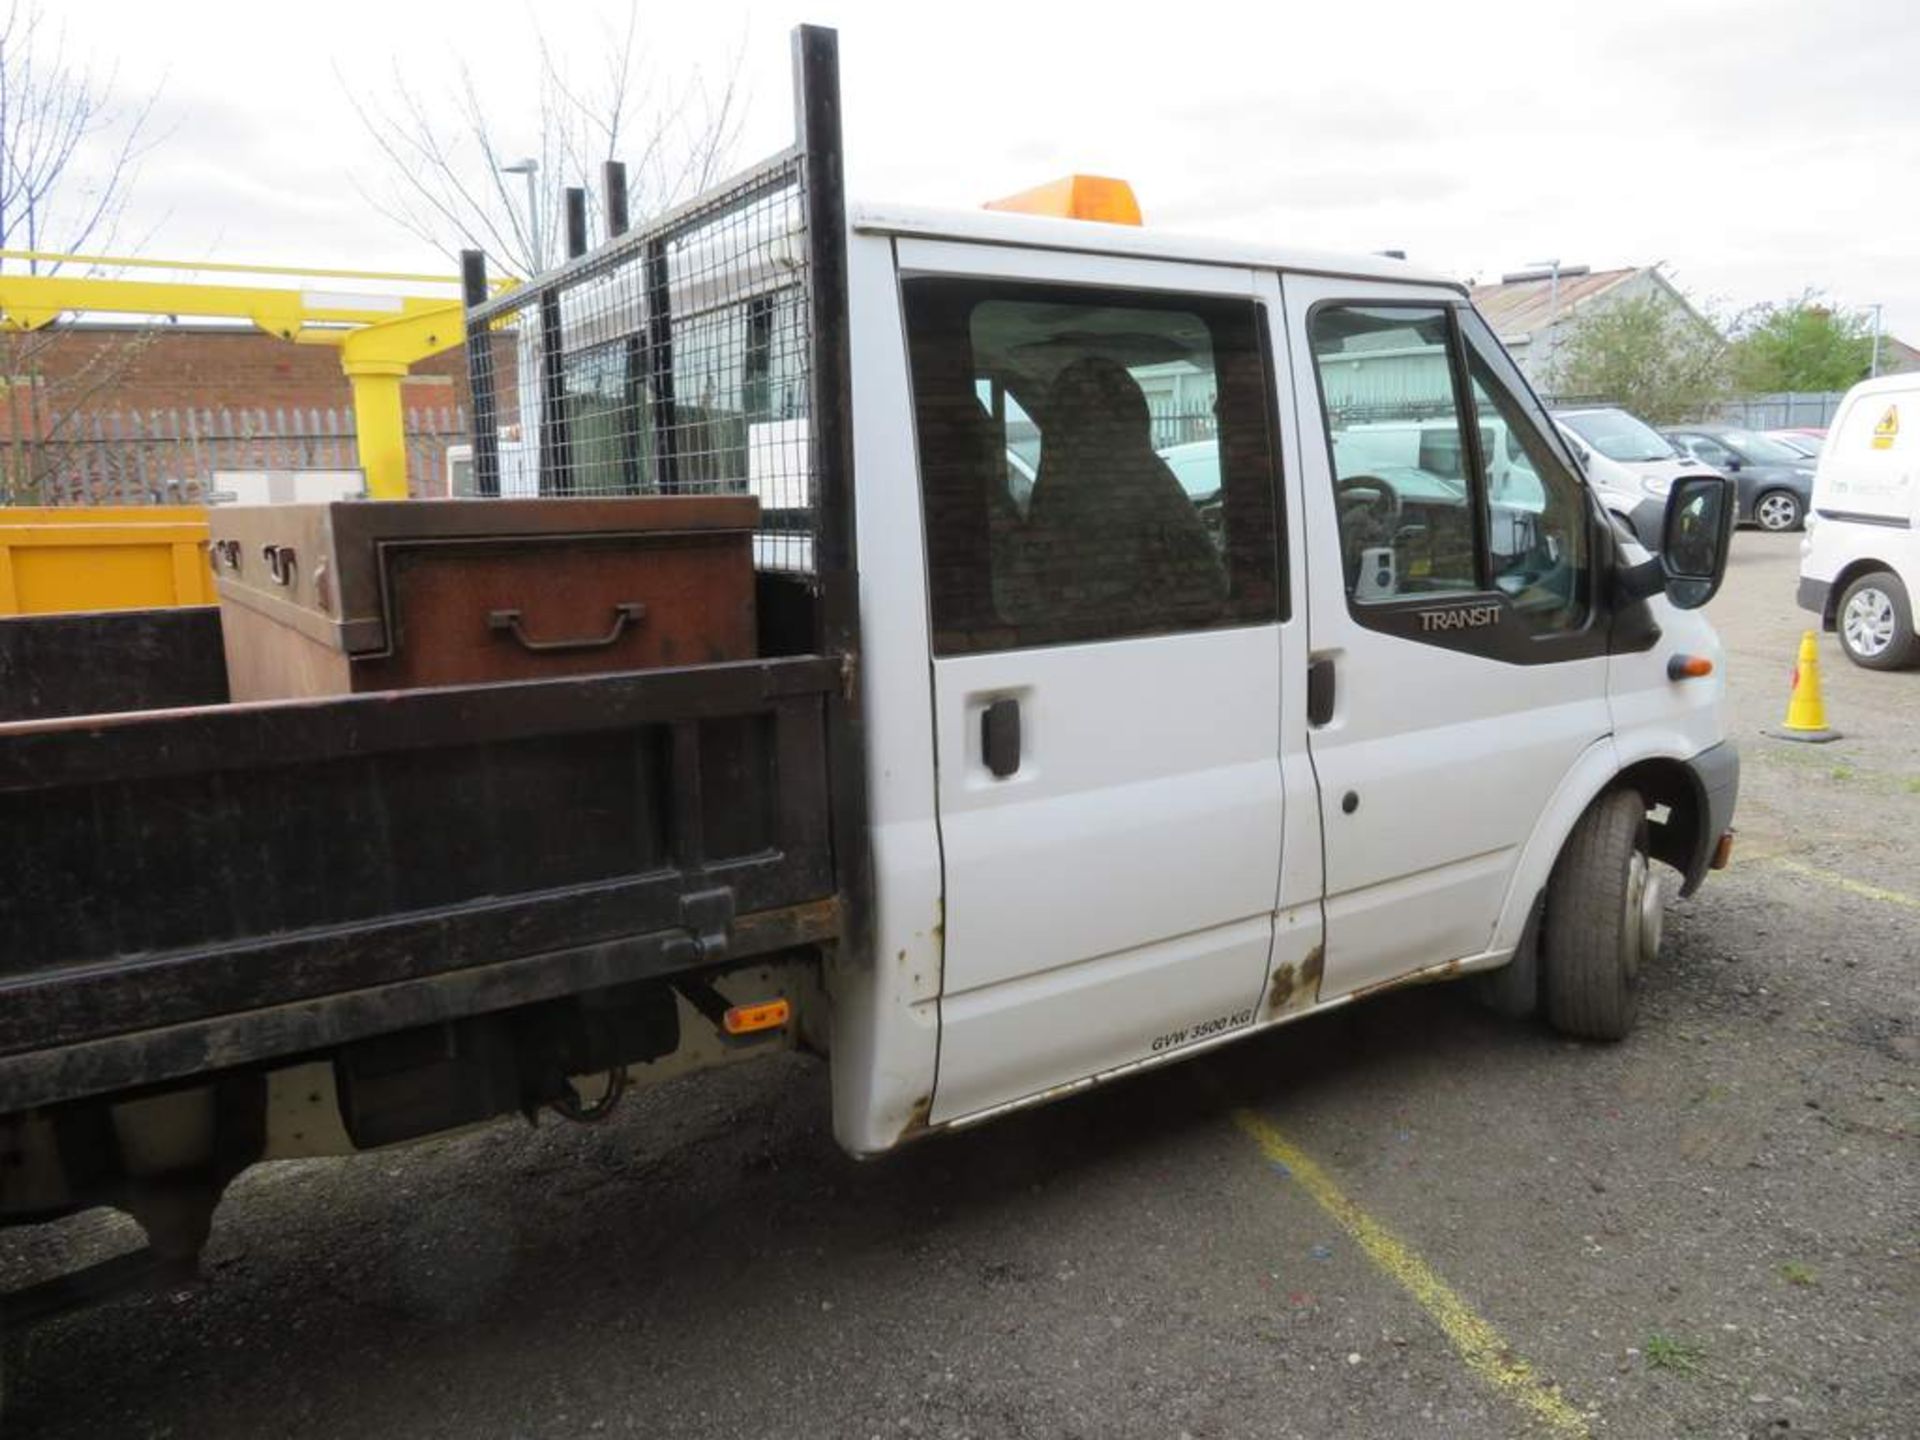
column 1514, row 989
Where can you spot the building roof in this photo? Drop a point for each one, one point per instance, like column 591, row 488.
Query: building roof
column 1516, row 308
column 1897, row 356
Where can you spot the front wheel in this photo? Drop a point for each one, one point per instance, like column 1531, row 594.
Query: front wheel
column 1603, row 920
column 1778, row 511
column 1875, row 621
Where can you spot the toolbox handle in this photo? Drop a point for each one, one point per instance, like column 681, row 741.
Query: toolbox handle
column 281, row 562
column 507, row 622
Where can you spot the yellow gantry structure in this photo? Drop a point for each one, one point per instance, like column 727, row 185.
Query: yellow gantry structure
column 379, row 336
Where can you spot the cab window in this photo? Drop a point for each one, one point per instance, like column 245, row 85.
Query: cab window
column 1093, row 464
column 1536, row 508
column 1402, row 485
column 1445, row 481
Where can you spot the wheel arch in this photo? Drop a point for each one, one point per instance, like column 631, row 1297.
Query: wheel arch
column 1853, row 570
column 1680, row 840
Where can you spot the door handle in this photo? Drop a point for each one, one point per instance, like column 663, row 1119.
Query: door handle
column 1000, row 736
column 1320, row 690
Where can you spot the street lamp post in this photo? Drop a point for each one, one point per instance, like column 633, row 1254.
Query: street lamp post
column 1874, row 368
column 530, row 168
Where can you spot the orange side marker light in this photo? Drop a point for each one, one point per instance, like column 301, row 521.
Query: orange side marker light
column 1689, row 667
column 748, row 1019
column 1723, row 852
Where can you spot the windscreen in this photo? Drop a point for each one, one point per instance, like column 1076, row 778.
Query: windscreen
column 1759, row 450
column 1619, row 436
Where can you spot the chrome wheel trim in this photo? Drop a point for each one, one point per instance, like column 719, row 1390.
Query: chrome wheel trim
column 1642, row 924
column 1867, row 622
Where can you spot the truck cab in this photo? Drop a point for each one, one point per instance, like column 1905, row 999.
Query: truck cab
column 1155, row 765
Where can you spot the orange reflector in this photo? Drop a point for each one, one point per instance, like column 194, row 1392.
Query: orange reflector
column 746, row 1019
column 1689, row 667
column 1077, row 197
column 1723, row 852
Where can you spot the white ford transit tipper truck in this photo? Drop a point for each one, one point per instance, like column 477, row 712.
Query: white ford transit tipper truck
column 1042, row 772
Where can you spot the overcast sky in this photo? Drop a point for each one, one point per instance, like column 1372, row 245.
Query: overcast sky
column 1757, row 149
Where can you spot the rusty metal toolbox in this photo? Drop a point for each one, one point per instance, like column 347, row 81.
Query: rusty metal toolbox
column 389, row 595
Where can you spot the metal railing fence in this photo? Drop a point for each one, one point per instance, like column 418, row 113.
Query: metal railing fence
column 169, row 456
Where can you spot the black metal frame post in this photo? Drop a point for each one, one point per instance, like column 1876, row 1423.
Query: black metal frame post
column 576, row 222
column 486, row 428
column 666, row 434
column 816, row 55
column 556, row 467
column 613, row 197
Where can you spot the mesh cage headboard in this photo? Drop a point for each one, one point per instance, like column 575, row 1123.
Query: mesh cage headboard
column 680, row 357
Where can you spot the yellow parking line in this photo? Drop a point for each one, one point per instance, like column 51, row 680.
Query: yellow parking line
column 1486, row 1353
column 1842, row 882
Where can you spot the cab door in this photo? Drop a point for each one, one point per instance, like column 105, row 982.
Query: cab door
column 1097, row 469
column 1454, row 620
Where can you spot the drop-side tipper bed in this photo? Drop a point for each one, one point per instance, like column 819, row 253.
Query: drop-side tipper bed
column 235, row 931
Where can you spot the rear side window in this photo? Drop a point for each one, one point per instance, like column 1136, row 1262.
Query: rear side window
column 1093, row 464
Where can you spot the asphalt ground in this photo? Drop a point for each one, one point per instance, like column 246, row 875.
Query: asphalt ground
column 1407, row 1218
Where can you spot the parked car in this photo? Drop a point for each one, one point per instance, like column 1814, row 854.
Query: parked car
column 1775, row 483
column 1630, row 465
column 1860, row 562
column 1801, row 442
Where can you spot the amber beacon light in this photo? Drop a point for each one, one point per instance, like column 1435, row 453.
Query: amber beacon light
column 1077, row 197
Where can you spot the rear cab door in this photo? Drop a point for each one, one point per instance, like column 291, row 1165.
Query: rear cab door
column 1098, row 464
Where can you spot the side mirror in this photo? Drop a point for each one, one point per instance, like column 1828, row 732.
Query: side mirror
column 1695, row 537
column 1732, row 463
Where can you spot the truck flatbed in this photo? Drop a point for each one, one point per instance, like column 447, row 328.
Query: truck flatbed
column 199, row 888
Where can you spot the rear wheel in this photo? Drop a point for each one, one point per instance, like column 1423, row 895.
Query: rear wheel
column 1603, row 921
column 1875, row 621
column 1777, row 510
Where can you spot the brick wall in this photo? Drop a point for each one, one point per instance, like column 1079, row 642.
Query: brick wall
column 145, row 414
column 122, row 368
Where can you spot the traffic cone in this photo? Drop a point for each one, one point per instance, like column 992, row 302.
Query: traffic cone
column 1806, row 711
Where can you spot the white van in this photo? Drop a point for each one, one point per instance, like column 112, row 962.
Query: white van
column 1860, row 560
column 1630, row 465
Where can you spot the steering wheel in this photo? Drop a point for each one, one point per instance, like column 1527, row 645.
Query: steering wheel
column 1378, row 497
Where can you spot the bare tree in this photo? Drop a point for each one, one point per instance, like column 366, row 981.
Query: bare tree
column 70, row 151
column 447, row 151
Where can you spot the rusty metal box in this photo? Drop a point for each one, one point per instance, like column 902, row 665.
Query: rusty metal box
column 390, row 595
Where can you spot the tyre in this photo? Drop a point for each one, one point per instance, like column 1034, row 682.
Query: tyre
column 1603, row 921
column 1875, row 622
column 1778, row 511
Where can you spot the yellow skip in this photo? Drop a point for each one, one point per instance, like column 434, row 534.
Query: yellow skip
column 1487, row 1354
